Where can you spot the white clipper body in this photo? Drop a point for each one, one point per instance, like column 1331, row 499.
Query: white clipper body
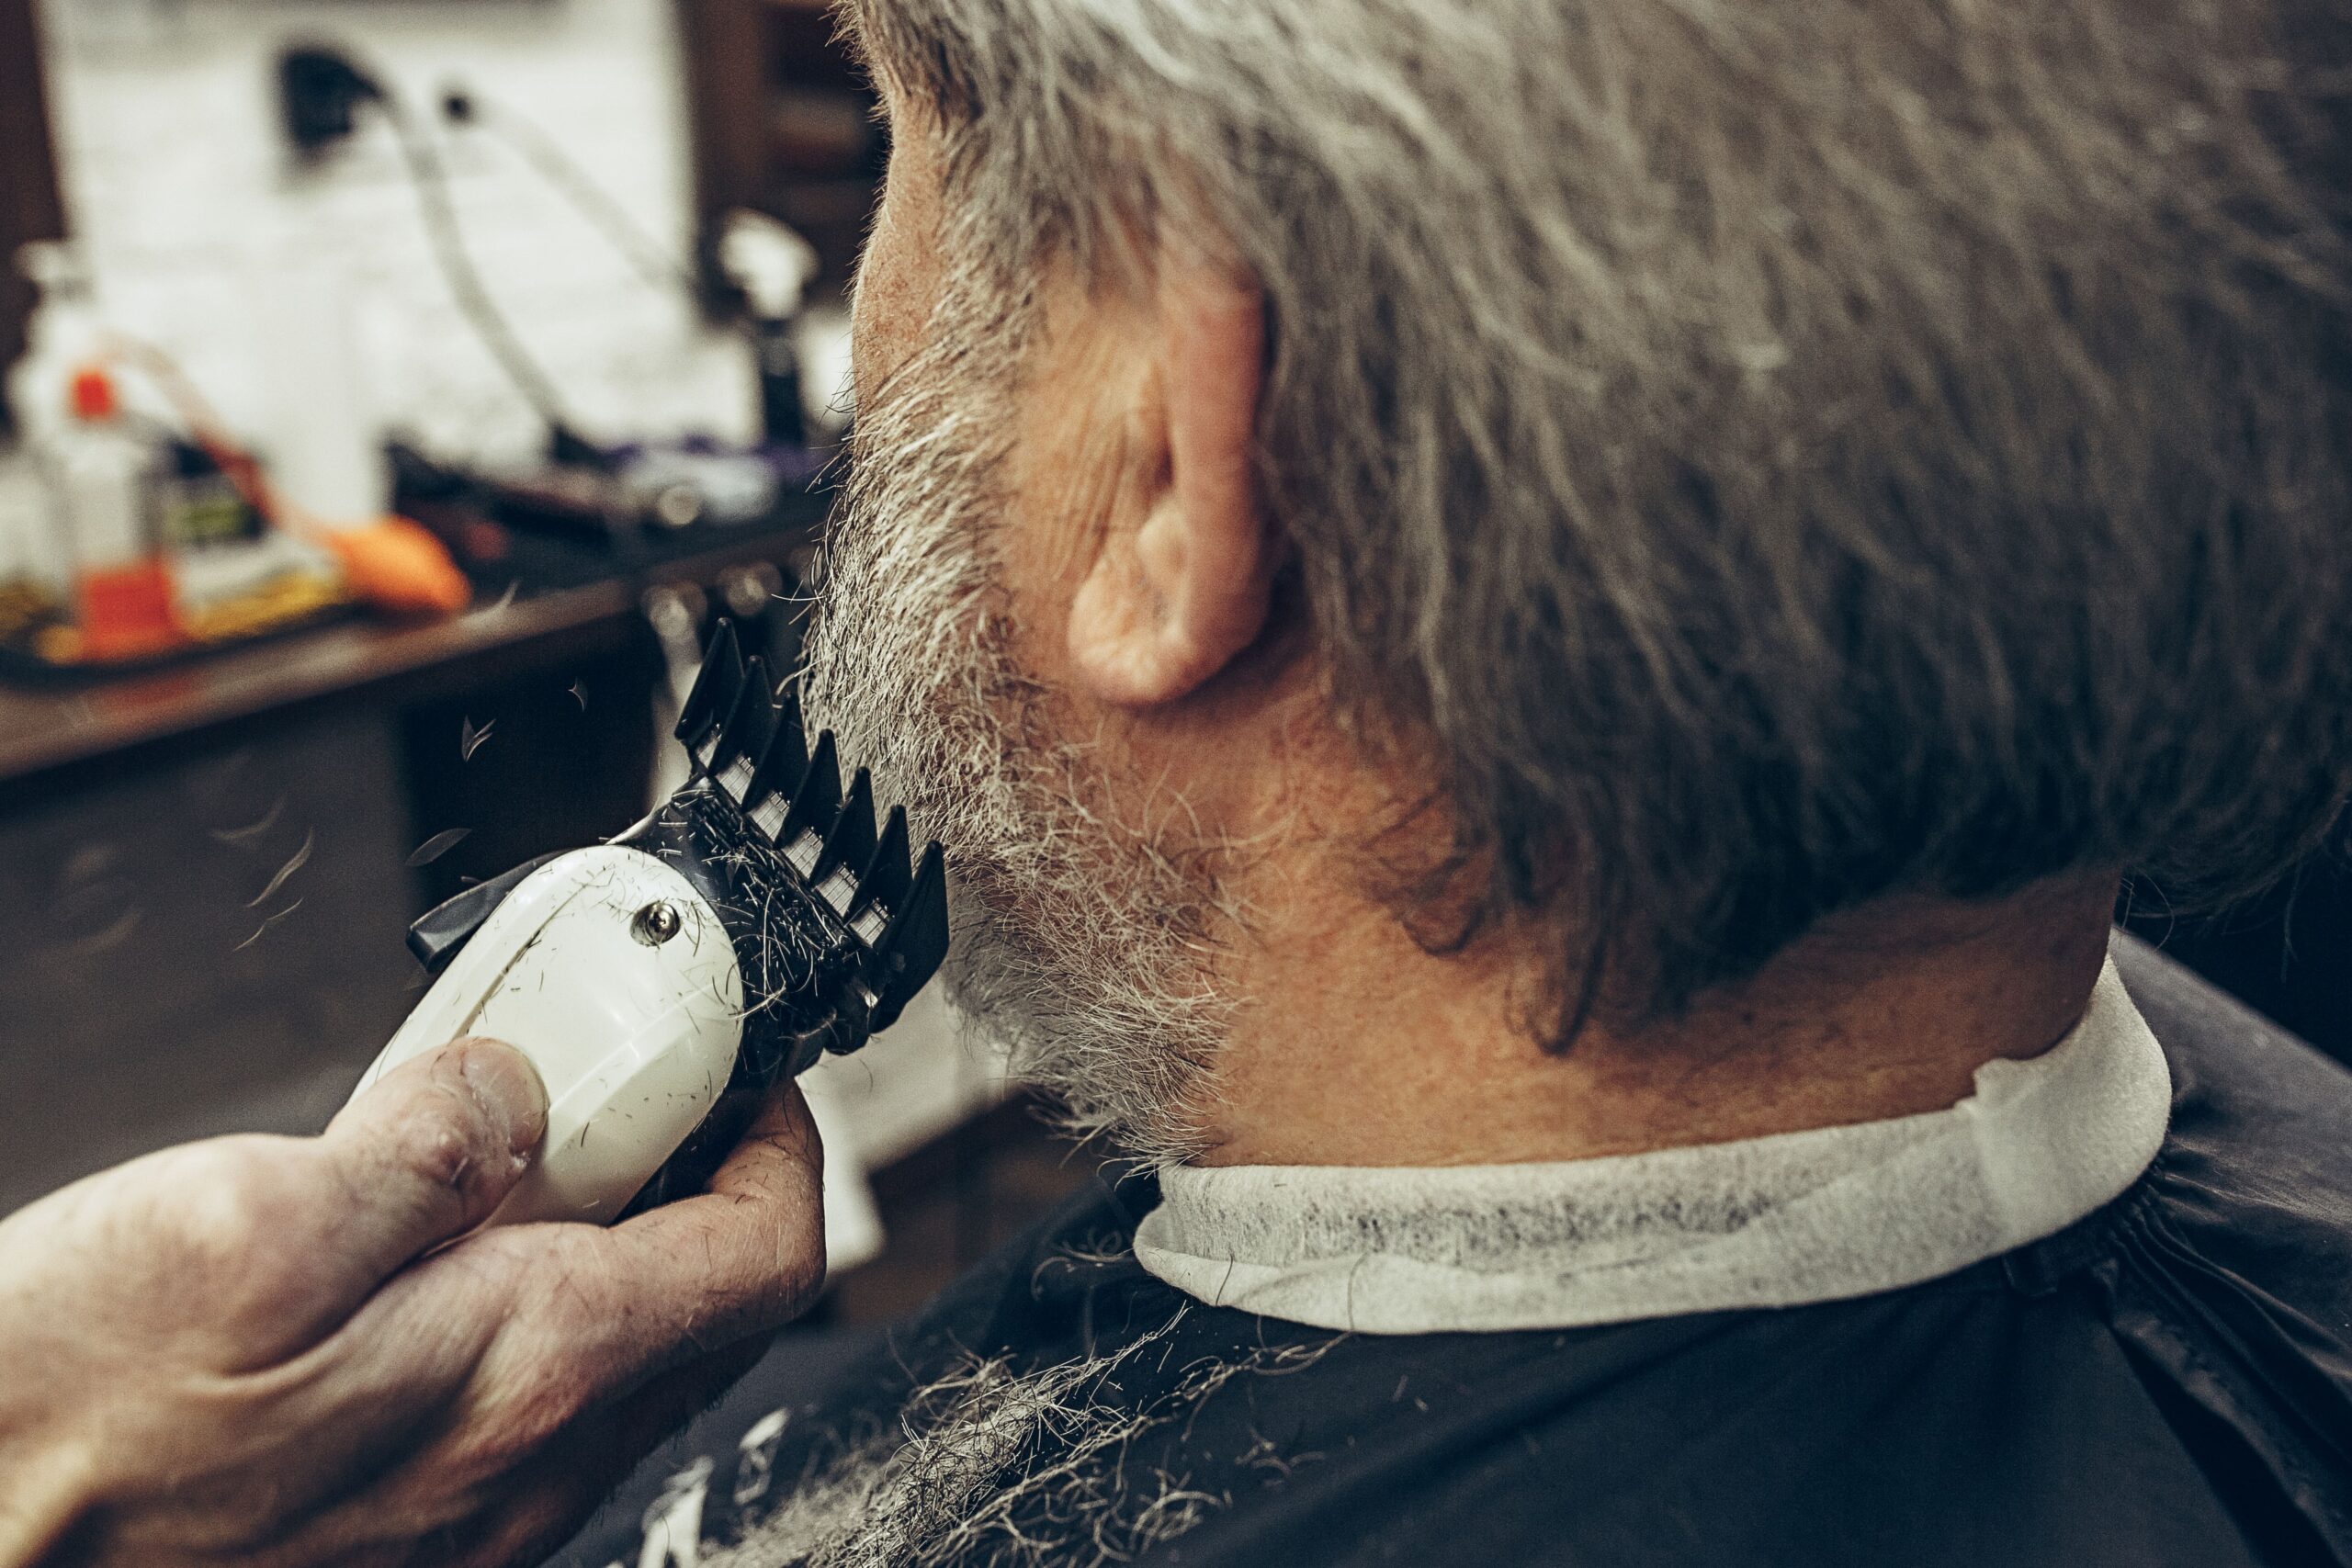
column 622, row 971
column 616, row 978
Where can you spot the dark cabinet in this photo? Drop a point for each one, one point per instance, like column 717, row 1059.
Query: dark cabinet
column 784, row 123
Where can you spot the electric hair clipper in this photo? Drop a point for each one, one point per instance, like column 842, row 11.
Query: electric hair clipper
column 664, row 982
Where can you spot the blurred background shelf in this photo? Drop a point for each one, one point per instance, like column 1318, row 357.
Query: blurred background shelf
column 110, row 722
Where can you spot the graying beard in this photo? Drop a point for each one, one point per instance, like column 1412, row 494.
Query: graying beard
column 993, row 1469
column 1081, row 940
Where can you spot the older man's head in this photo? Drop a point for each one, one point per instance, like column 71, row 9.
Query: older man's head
column 1602, row 490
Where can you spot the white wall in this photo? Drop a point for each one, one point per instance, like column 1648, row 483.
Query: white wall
column 177, row 178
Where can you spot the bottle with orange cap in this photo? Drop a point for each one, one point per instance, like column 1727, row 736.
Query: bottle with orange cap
column 102, row 472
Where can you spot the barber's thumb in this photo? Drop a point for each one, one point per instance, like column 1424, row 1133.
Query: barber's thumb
column 428, row 1153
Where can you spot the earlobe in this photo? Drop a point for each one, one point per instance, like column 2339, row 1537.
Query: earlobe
column 1181, row 586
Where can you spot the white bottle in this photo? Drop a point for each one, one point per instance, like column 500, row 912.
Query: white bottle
column 64, row 337
column 32, row 554
column 105, row 478
column 103, row 473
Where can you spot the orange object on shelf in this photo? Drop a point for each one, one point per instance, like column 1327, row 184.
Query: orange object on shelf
column 394, row 565
column 398, row 565
column 127, row 611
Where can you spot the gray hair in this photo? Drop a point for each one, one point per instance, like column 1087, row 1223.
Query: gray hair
column 1771, row 455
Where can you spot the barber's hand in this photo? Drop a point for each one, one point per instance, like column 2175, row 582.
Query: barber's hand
column 239, row 1351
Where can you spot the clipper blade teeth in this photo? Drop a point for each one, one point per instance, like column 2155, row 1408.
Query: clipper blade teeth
column 746, row 737
column 814, row 806
column 849, row 843
column 779, row 769
column 746, row 732
column 883, row 884
column 716, row 691
column 913, row 944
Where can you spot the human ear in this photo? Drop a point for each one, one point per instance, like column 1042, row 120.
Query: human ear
column 1184, row 579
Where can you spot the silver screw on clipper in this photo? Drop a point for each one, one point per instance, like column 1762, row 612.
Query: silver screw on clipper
column 656, row 923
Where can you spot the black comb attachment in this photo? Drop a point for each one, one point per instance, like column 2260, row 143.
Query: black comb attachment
column 848, row 845
column 776, row 776
column 745, row 737
column 716, row 690
column 814, row 806
column 886, row 878
column 747, row 740
column 913, row 943
column 835, row 927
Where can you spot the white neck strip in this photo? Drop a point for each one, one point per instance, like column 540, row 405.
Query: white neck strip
column 1811, row 1216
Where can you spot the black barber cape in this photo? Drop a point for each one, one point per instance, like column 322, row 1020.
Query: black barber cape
column 2168, row 1383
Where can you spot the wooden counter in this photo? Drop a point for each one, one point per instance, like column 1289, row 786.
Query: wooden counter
column 49, row 732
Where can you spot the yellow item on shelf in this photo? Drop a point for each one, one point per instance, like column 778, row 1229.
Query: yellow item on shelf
column 283, row 601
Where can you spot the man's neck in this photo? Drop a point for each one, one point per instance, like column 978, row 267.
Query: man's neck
column 1371, row 1052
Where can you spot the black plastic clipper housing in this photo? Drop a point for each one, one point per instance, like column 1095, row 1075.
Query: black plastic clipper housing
column 836, row 923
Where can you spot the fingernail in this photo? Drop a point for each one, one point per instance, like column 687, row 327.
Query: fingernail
column 508, row 1086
